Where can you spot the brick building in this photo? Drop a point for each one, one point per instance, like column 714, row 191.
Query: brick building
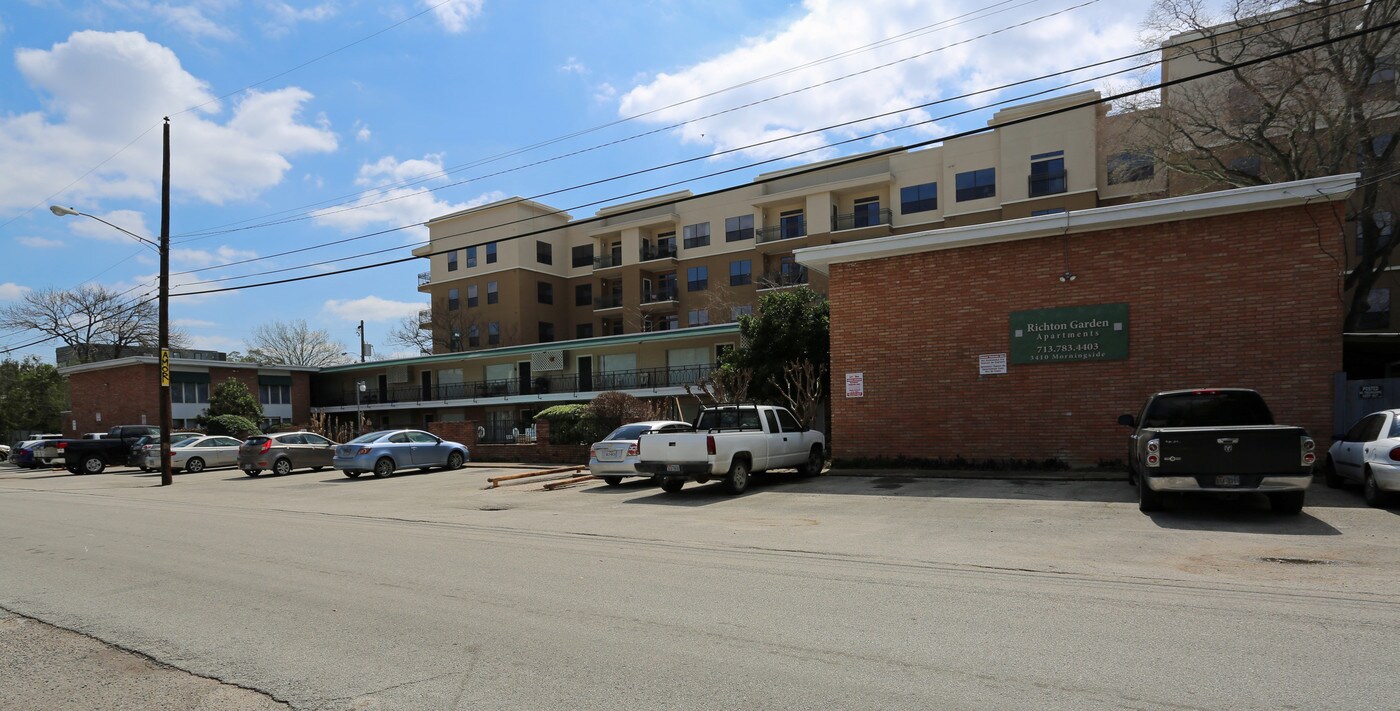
column 125, row 391
column 1027, row 338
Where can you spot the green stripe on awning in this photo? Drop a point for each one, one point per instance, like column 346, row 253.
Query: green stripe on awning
column 274, row 380
column 177, row 376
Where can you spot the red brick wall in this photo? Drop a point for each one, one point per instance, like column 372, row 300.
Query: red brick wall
column 121, row 395
column 301, row 397
column 540, row 451
column 1236, row 301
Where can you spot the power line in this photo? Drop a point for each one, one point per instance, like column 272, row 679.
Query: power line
column 833, row 164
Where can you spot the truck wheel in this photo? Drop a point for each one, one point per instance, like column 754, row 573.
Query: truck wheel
column 738, row 479
column 92, row 465
column 672, row 485
column 1329, row 473
column 1286, row 502
column 1372, row 493
column 613, row 480
column 813, row 465
column 1148, row 500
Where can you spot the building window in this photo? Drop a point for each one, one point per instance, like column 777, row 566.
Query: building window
column 471, row 257
column 1385, row 225
column 663, row 323
column 491, row 253
column 1384, row 72
column 473, row 335
column 867, row 212
column 699, row 317
column 453, row 299
column 918, row 198
column 544, row 252
column 583, row 255
column 697, row 278
column 492, row 295
column 613, row 327
column 544, row 291
column 791, row 224
column 976, row 184
column 741, row 310
column 452, row 261
column 1130, row 168
column 1048, row 175
column 697, row 235
column 1247, row 165
column 583, row 295
column 493, row 333
column 546, row 332
column 189, row 392
column 722, row 350
column 454, row 340
column 583, row 330
column 741, row 272
column 275, row 394
column 471, row 296
column 738, row 228
column 1048, row 211
column 1377, row 314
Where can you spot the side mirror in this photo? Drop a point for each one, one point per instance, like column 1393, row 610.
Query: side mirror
column 1127, row 421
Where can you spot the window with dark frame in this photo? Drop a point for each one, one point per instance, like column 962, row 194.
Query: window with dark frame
column 544, row 252
column 1377, row 313
column 546, row 332
column 491, row 253
column 1385, row 226
column 473, row 335
column 471, row 296
column 699, row 317
column 471, row 257
column 452, row 261
column 583, row 330
column 453, row 299
column 1248, row 165
column 738, row 228
column 583, row 295
column 582, row 255
column 697, row 278
column 918, row 198
column 740, row 272
column 544, row 292
column 492, row 295
column 493, row 333
column 697, row 235
column 867, row 212
column 976, row 184
column 1048, row 175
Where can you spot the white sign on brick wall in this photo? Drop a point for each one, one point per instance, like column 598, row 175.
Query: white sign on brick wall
column 991, row 364
column 855, row 384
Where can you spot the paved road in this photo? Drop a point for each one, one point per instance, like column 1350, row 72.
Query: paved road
column 425, row 591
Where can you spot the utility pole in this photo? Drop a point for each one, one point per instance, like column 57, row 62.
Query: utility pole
column 164, row 298
column 361, row 329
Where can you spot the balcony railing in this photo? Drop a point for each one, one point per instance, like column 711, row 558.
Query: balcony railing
column 645, row 378
column 425, row 317
column 425, row 278
column 788, row 229
column 659, row 296
column 863, row 218
column 611, row 301
column 1047, row 183
column 607, row 260
column 780, row 279
column 648, row 253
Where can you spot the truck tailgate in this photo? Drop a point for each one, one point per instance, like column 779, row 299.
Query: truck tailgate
column 673, row 447
column 1262, row 449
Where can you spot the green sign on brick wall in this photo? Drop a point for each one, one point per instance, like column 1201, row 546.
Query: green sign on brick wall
column 1097, row 332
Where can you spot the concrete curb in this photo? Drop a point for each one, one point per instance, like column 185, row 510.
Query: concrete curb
column 983, row 475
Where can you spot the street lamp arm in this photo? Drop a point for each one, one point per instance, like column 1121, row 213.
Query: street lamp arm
column 62, row 211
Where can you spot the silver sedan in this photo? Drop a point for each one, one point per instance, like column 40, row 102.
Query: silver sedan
column 617, row 455
column 197, row 454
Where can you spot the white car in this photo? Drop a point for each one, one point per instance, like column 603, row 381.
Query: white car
column 197, row 454
column 616, row 456
column 1369, row 453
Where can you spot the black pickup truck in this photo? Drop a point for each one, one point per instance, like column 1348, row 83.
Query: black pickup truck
column 91, row 456
column 1217, row 440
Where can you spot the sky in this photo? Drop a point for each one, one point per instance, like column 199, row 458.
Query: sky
column 338, row 127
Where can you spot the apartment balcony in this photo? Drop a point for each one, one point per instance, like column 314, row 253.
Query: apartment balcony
column 782, row 279
column 652, row 254
column 611, row 301
column 425, row 318
column 1047, row 184
column 789, row 229
column 660, row 300
column 641, row 379
column 862, row 219
column 424, row 279
column 607, row 261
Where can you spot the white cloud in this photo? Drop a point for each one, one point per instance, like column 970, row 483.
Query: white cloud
column 196, row 258
column 189, row 19
column 455, row 15
column 102, row 88
column 384, row 205
column 39, row 242
column 362, row 133
column 130, row 220
column 192, row 323
column 284, row 18
column 604, row 93
column 372, row 308
column 208, row 342
column 10, row 291
column 573, row 66
column 824, row 28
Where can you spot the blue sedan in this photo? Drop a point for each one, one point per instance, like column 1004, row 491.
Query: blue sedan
column 387, row 451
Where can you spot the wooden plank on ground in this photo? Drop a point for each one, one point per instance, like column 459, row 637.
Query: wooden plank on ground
column 496, row 480
column 568, row 482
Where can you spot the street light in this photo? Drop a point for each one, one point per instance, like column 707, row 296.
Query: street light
column 359, row 418
column 163, row 248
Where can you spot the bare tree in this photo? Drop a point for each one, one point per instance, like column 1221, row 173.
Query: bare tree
column 294, row 343
column 409, row 333
column 1309, row 114
column 802, row 385
column 92, row 320
column 721, row 386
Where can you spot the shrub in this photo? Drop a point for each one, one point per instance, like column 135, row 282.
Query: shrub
column 575, row 424
column 231, row 426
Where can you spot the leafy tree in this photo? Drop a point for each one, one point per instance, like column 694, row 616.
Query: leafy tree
column 231, row 426
column 32, row 396
column 94, row 321
column 1310, row 114
column 294, row 343
column 232, row 397
column 791, row 326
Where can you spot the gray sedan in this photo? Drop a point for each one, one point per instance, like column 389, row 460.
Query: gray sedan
column 387, row 451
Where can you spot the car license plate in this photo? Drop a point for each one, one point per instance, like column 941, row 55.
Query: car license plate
column 1227, row 480
column 673, row 467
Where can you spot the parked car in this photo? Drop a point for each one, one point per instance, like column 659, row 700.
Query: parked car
column 92, row 456
column 4, row 452
column 616, row 456
column 25, row 454
column 729, row 443
column 197, row 454
column 285, row 451
column 386, row 451
column 93, row 435
column 1369, row 454
column 151, row 443
column 1216, row 440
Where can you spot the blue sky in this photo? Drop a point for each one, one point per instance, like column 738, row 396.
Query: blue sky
column 419, row 115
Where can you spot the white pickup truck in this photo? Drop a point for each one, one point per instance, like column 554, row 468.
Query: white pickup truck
column 730, row 443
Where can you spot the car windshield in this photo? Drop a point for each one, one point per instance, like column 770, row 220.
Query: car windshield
column 368, row 437
column 1208, row 408
column 628, row 432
